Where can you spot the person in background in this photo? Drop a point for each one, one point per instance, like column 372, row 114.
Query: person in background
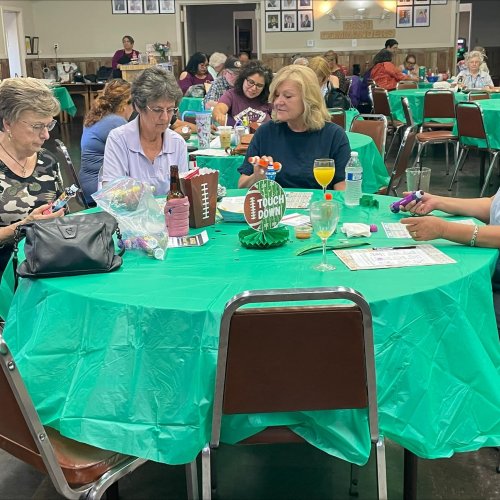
column 223, row 82
column 355, row 88
column 124, row 56
column 410, row 67
column 248, row 98
column 216, row 64
column 322, row 70
column 244, row 57
column 304, row 61
column 472, row 77
column 486, row 210
column 145, row 148
column 385, row 74
column 29, row 174
column 333, row 61
column 110, row 110
column 299, row 132
column 484, row 66
column 195, row 72
column 392, row 45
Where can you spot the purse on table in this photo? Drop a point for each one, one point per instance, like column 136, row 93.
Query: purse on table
column 68, row 246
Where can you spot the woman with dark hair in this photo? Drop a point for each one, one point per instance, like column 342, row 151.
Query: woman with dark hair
column 335, row 70
column 124, row 56
column 195, row 72
column 249, row 97
column 384, row 73
column 110, row 110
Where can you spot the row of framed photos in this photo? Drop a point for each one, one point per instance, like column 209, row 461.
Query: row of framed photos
column 143, row 6
column 288, row 4
column 421, row 2
column 290, row 20
column 31, row 44
column 416, row 16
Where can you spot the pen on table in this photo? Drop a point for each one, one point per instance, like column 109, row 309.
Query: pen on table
column 409, row 247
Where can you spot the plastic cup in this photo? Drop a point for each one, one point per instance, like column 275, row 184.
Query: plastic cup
column 225, row 135
column 417, row 178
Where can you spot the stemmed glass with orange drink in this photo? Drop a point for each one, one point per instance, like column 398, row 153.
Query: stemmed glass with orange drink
column 324, row 171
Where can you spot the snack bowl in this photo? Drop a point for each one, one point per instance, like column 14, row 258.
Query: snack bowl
column 231, row 208
column 433, row 79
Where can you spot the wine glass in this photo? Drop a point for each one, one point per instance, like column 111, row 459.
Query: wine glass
column 324, row 171
column 324, row 217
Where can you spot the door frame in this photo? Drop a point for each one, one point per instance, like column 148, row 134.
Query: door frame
column 20, row 36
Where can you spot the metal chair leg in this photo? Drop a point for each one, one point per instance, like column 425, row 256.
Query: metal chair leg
column 206, row 480
column 381, row 470
column 192, row 481
column 488, row 175
column 353, row 486
column 461, row 159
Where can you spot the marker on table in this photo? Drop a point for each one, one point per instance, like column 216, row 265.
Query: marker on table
column 409, row 247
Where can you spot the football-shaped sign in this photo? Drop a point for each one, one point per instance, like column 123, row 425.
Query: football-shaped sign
column 264, row 205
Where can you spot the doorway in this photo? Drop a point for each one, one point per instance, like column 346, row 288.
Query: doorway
column 12, row 25
column 464, row 23
column 227, row 28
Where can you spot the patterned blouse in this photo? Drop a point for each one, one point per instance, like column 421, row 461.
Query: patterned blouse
column 19, row 196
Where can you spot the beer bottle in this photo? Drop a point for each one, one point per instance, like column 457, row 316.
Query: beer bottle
column 175, row 187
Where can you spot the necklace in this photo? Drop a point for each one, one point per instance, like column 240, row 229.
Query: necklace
column 23, row 167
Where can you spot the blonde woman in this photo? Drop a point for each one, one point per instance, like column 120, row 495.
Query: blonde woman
column 300, row 132
column 319, row 65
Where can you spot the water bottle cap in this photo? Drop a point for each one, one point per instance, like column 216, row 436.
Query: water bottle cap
column 354, row 153
column 328, row 196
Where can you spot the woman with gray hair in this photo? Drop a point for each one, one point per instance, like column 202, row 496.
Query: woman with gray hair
column 472, row 77
column 300, row 132
column 29, row 175
column 145, row 148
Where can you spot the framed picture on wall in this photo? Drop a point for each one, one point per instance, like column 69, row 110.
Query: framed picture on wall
column 421, row 2
column 151, row 7
column 304, row 4
column 404, row 17
column 134, row 6
column 273, row 21
column 439, row 2
column 405, row 2
column 27, row 44
column 305, row 21
column 119, row 6
column 288, row 4
column 421, row 16
column 34, row 45
column 273, row 4
column 167, row 7
column 289, row 20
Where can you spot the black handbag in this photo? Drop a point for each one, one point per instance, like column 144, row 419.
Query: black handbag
column 68, row 246
column 335, row 98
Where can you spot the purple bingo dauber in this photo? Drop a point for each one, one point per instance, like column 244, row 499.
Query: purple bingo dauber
column 415, row 195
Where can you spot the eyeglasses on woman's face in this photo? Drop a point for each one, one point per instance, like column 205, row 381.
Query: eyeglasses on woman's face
column 38, row 128
column 157, row 110
column 253, row 83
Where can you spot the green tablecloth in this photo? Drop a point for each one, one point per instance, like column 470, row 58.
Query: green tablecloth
column 190, row 104
column 65, row 100
column 126, row 361
column 424, row 85
column 374, row 169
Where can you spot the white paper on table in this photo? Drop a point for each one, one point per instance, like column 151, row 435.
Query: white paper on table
column 298, row 199
column 385, row 258
column 296, row 220
column 196, row 240
column 395, row 230
column 208, row 152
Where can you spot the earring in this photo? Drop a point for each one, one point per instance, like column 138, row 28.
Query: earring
column 9, row 135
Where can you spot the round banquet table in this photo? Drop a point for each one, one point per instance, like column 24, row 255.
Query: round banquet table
column 65, row 100
column 126, row 361
column 374, row 170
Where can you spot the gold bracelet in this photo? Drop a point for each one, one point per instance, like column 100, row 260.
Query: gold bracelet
column 474, row 236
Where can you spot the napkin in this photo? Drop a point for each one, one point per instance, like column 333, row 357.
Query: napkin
column 355, row 229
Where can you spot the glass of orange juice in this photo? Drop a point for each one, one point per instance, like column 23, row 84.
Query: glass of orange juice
column 324, row 171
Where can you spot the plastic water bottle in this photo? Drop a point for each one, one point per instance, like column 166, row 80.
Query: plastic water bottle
column 353, row 180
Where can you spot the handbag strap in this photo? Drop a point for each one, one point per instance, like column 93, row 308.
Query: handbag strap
column 15, row 258
column 120, row 239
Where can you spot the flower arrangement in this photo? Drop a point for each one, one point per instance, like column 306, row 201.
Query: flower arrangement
column 163, row 48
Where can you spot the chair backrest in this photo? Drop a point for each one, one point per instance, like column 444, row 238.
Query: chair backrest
column 69, row 176
column 337, row 115
column 402, row 160
column 375, row 126
column 271, row 360
column 381, row 102
column 410, row 122
column 470, row 121
column 477, row 95
column 439, row 104
column 406, row 84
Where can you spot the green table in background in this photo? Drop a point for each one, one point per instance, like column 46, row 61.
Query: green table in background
column 190, row 104
column 374, row 169
column 126, row 360
column 65, row 100
column 424, row 85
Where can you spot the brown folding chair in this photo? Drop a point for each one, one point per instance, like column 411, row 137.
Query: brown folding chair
column 402, row 161
column 470, row 124
column 337, row 115
column 374, row 126
column 410, row 122
column 478, row 95
column 271, row 360
column 406, row 84
column 381, row 106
